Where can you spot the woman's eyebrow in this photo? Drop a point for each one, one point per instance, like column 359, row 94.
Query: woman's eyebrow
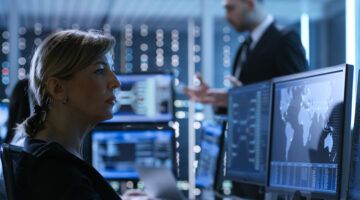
column 101, row 61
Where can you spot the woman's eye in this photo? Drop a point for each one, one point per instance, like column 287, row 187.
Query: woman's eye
column 100, row 70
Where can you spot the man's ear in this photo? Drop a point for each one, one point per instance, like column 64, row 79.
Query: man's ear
column 56, row 88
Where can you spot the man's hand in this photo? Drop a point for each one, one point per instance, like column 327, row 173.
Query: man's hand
column 217, row 97
column 197, row 93
column 206, row 95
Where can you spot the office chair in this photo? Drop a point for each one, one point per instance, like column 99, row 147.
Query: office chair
column 9, row 156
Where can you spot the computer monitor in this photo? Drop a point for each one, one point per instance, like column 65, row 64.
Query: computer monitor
column 144, row 98
column 312, row 113
column 4, row 116
column 248, row 133
column 116, row 153
column 208, row 158
column 354, row 171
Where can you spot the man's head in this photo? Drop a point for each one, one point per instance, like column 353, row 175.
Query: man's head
column 242, row 14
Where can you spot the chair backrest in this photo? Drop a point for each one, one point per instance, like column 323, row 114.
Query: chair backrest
column 9, row 156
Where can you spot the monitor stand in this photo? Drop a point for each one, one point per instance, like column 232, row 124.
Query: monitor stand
column 248, row 191
column 297, row 196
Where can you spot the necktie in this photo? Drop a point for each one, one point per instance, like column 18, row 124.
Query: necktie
column 243, row 55
column 247, row 44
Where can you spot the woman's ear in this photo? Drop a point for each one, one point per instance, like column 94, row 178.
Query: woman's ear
column 56, row 88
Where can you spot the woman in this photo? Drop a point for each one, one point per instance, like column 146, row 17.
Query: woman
column 73, row 84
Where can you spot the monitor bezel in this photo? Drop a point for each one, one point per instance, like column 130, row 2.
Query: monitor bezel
column 348, row 71
column 352, row 145
column 172, row 88
column 220, row 165
column 111, row 128
column 245, row 180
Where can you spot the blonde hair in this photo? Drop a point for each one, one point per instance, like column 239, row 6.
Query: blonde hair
column 61, row 55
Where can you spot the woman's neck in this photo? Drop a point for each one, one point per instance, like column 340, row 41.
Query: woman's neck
column 65, row 130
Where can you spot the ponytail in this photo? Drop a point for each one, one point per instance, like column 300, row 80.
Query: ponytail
column 36, row 121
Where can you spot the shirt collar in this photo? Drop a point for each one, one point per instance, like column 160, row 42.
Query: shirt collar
column 259, row 31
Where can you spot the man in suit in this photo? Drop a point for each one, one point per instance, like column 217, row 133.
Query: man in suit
column 268, row 51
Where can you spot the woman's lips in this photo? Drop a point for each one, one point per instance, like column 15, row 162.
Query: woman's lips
column 111, row 100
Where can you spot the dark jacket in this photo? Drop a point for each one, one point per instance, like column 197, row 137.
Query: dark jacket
column 277, row 53
column 48, row 171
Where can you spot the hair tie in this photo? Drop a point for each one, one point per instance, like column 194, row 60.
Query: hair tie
column 38, row 109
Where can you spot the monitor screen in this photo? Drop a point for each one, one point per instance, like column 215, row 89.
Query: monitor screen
column 144, row 98
column 210, row 149
column 248, row 133
column 115, row 153
column 307, row 130
column 4, row 116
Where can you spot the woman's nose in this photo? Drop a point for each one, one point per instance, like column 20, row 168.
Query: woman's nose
column 114, row 83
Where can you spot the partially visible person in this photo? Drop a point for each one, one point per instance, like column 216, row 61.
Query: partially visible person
column 267, row 52
column 19, row 110
column 73, row 85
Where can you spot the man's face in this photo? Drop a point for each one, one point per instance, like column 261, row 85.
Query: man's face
column 237, row 12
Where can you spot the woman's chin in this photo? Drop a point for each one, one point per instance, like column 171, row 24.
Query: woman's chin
column 105, row 117
column 108, row 116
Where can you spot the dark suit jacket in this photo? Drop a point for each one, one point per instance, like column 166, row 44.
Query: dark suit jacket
column 277, row 53
column 48, row 171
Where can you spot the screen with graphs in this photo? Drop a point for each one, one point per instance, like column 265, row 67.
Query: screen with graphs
column 116, row 153
column 144, row 98
column 210, row 149
column 4, row 116
column 307, row 133
column 247, row 141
